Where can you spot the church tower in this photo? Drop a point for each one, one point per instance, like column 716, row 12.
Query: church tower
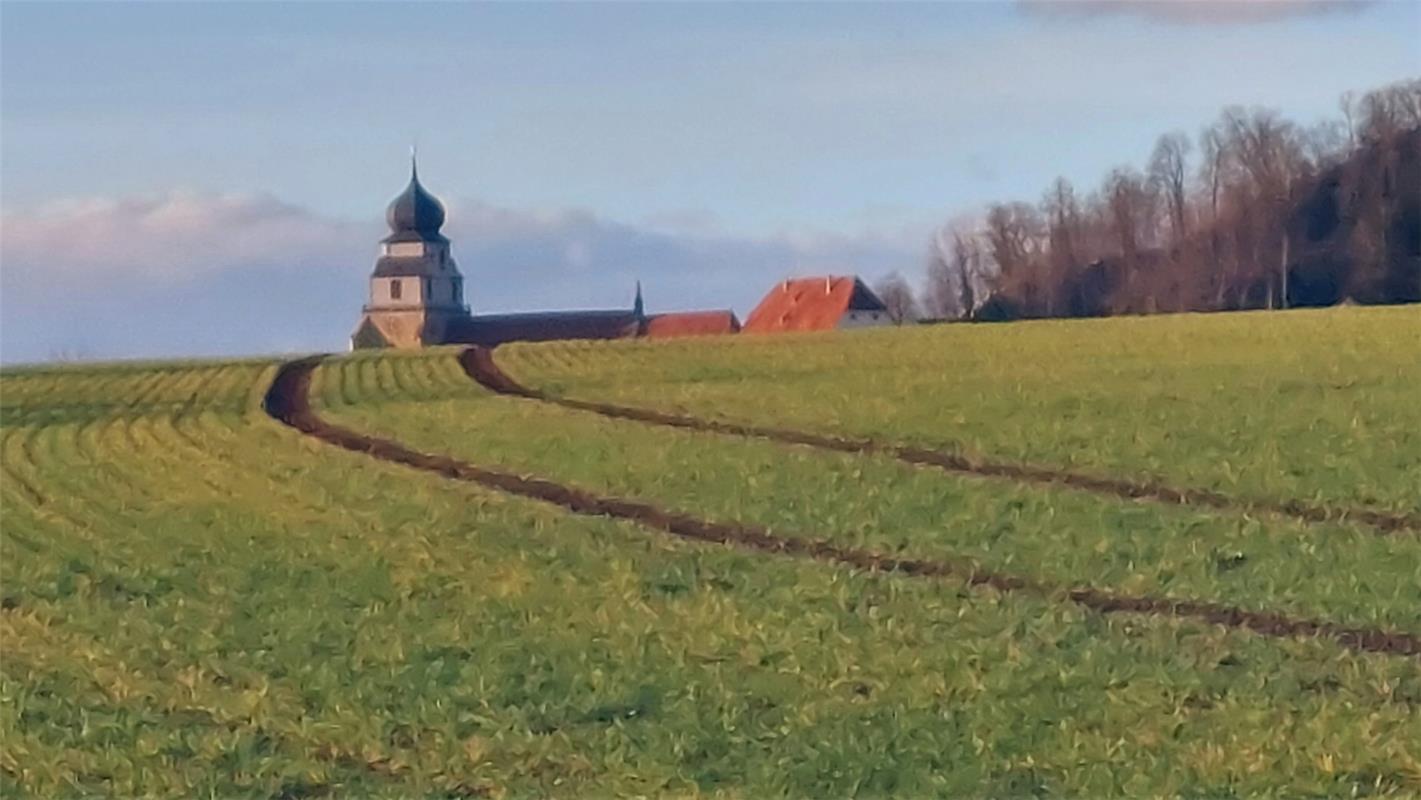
column 416, row 291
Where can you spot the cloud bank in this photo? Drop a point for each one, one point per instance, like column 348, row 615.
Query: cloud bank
column 173, row 238
column 1194, row 12
column 196, row 274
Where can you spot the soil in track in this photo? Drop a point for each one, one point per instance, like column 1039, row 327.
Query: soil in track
column 287, row 401
column 480, row 365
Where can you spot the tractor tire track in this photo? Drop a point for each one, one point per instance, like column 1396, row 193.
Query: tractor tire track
column 480, row 365
column 287, row 402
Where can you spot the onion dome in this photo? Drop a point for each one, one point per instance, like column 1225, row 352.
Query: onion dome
column 416, row 215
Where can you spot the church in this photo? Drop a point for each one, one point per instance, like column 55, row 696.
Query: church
column 417, row 296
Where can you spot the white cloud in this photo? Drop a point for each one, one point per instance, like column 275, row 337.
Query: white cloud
column 1194, row 12
column 172, row 238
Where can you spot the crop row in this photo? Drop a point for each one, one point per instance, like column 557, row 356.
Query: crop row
column 1242, row 404
column 391, row 408
column 1339, row 572
column 372, row 378
column 483, row 367
column 38, row 396
column 203, row 603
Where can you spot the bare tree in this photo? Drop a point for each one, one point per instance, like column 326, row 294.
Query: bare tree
column 1168, row 171
column 1015, row 240
column 897, row 295
column 1325, row 143
column 1130, row 199
column 1387, row 112
column 960, row 275
column 1407, row 97
column 941, row 297
column 1268, row 151
column 1348, row 105
column 1064, row 240
column 1014, row 236
column 975, row 282
column 1216, row 164
column 1132, row 209
column 1063, row 221
column 1212, row 167
column 1094, row 237
column 1378, row 194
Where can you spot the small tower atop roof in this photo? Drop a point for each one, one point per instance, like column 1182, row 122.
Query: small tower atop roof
column 415, row 215
column 638, row 307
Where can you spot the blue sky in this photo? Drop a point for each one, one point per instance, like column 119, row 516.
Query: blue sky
column 209, row 163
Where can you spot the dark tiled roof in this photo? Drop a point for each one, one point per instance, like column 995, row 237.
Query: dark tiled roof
column 416, row 215
column 542, row 326
column 691, row 323
column 864, row 298
column 811, row 304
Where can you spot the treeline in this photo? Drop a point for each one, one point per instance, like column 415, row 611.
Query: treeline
column 1254, row 212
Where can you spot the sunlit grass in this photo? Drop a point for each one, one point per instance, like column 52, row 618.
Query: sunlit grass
column 1317, row 405
column 200, row 602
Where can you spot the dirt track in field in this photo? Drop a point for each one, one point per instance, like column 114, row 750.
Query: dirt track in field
column 287, row 401
column 480, row 365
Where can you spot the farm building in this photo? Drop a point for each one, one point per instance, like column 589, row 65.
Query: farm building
column 417, row 296
column 818, row 304
column 690, row 323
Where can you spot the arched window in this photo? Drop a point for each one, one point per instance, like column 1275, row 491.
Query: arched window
column 395, row 289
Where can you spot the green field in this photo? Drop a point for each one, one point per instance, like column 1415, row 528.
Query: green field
column 1309, row 404
column 198, row 600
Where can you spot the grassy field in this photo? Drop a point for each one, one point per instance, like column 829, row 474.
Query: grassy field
column 1309, row 404
column 200, row 601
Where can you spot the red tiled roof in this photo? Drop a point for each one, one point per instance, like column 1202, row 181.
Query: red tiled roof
column 691, row 323
column 811, row 304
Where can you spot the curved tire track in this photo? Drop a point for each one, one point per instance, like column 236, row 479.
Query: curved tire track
column 286, row 401
column 480, row 365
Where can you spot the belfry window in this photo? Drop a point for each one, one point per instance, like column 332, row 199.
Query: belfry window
column 395, row 289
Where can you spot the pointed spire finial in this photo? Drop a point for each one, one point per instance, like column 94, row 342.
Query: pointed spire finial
column 414, row 162
column 638, row 307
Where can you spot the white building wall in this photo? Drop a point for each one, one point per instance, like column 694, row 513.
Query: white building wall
column 864, row 319
column 411, row 291
column 404, row 249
